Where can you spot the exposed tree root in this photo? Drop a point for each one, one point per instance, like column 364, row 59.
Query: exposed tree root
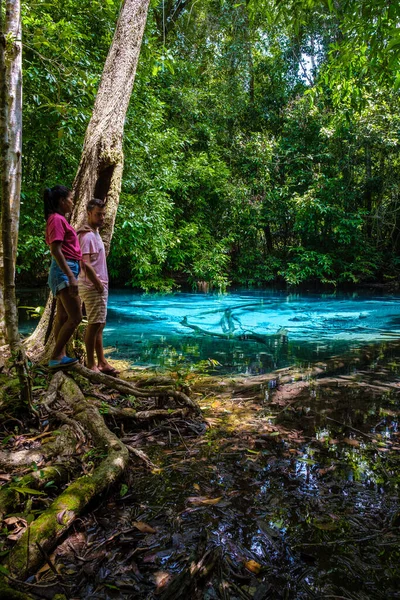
column 141, row 416
column 8, row 593
column 9, row 461
column 81, row 417
column 125, row 387
column 50, row 591
column 63, row 444
column 154, row 381
column 26, row 557
column 11, row 495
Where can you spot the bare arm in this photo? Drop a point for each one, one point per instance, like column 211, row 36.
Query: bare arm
column 55, row 249
column 91, row 273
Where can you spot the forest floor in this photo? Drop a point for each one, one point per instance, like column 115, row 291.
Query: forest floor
column 286, row 486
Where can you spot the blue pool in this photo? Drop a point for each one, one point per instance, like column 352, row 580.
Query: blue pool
column 243, row 331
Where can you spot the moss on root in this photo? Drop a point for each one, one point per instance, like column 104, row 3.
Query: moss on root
column 26, row 557
column 11, row 498
column 10, row 398
column 8, row 593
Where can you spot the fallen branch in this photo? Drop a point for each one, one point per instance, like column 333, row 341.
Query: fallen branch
column 367, row 435
column 143, row 456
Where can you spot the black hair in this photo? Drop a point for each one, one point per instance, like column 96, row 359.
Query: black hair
column 52, row 197
column 95, row 203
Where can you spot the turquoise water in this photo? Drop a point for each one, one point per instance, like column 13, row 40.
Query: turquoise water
column 244, row 331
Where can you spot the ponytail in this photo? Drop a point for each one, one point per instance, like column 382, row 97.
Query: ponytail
column 48, row 203
column 52, row 197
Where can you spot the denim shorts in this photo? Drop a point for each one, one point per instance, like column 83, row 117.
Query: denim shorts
column 58, row 280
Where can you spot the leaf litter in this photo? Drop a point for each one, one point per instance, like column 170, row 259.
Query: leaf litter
column 293, row 497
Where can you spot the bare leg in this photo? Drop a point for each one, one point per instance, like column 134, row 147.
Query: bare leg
column 61, row 318
column 90, row 342
column 102, row 362
column 72, row 308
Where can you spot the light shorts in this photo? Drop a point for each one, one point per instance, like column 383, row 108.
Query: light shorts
column 95, row 304
column 57, row 279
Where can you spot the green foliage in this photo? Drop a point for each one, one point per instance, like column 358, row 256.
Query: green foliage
column 123, row 491
column 26, row 490
column 104, row 408
column 142, row 237
column 261, row 143
column 64, row 48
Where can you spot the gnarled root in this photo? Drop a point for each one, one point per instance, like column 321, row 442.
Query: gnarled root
column 8, row 593
column 63, row 444
column 142, row 416
column 125, row 387
column 26, row 557
column 10, row 495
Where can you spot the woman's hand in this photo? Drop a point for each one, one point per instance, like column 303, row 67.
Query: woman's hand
column 73, row 286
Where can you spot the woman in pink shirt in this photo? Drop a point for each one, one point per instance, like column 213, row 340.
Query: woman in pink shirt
column 64, row 270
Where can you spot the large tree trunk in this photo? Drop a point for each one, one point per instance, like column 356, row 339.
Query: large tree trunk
column 100, row 171
column 11, row 154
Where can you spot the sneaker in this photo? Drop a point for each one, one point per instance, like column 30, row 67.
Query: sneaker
column 64, row 363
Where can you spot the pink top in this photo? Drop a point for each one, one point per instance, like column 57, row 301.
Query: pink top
column 59, row 230
column 91, row 243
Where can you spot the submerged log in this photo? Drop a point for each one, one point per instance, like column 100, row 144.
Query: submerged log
column 244, row 336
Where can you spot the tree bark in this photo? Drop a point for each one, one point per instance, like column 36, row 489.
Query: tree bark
column 100, row 170
column 11, row 154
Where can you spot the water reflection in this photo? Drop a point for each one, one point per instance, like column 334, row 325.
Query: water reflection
column 250, row 332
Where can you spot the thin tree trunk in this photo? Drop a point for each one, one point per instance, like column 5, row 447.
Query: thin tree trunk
column 368, row 189
column 166, row 15
column 250, row 55
column 11, row 154
column 100, row 171
column 3, row 340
